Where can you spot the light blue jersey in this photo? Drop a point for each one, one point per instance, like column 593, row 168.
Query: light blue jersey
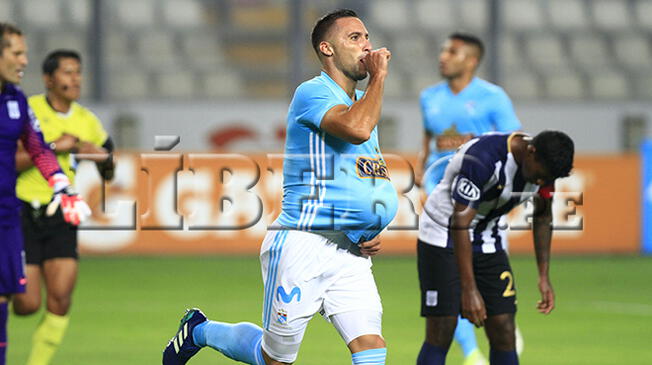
column 328, row 183
column 455, row 118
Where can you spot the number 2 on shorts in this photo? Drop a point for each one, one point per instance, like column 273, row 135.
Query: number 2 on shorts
column 509, row 291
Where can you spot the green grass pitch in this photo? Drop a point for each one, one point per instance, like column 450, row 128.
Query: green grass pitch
column 126, row 309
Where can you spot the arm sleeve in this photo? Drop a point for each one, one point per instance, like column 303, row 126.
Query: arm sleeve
column 311, row 102
column 504, row 117
column 473, row 175
column 32, row 138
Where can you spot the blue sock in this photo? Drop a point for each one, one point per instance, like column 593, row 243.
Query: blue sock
column 240, row 341
column 465, row 336
column 4, row 313
column 431, row 355
column 503, row 357
column 369, row 357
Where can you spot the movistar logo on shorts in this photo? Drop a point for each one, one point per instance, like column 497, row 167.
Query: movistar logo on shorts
column 467, row 189
column 287, row 298
column 371, row 167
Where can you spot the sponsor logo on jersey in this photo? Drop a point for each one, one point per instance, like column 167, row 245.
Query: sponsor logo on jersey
column 450, row 143
column 451, row 139
column 467, row 189
column 13, row 109
column 281, row 294
column 371, row 167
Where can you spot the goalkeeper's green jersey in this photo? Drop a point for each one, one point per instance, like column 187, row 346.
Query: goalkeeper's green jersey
column 79, row 122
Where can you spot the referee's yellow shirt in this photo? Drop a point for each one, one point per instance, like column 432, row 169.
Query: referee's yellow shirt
column 79, row 122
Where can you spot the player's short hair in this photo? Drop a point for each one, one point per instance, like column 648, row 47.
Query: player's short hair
column 555, row 150
column 52, row 60
column 5, row 30
column 323, row 25
column 470, row 40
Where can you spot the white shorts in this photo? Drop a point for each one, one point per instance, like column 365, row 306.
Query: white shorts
column 305, row 273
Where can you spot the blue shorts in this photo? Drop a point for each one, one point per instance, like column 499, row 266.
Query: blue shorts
column 12, row 261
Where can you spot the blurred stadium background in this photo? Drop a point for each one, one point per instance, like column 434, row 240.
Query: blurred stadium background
column 219, row 74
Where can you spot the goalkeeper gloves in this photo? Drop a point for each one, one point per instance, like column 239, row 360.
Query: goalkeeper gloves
column 74, row 208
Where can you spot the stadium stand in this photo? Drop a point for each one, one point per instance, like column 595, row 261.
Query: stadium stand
column 134, row 14
column 473, row 15
column 521, row 15
column 567, row 15
column 43, row 14
column 182, row 14
column 556, row 49
column 435, row 15
column 610, row 15
column 77, row 12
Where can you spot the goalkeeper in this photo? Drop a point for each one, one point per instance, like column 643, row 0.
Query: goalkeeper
column 72, row 132
column 17, row 122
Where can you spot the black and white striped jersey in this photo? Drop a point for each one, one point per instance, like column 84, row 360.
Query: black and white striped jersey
column 483, row 175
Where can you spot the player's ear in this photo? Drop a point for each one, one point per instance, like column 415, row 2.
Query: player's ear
column 473, row 60
column 325, row 49
column 531, row 149
column 47, row 81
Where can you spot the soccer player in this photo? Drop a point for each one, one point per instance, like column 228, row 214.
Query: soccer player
column 459, row 108
column 337, row 198
column 17, row 122
column 50, row 242
column 463, row 267
column 454, row 111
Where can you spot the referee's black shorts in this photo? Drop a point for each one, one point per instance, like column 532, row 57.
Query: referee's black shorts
column 439, row 281
column 47, row 237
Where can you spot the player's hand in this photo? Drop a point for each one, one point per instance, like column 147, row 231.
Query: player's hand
column 74, row 208
column 377, row 62
column 547, row 302
column 66, row 143
column 371, row 247
column 473, row 307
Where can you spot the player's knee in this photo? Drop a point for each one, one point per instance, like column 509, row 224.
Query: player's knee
column 440, row 330
column 501, row 332
column 24, row 305
column 25, row 311
column 58, row 304
column 270, row 361
column 367, row 342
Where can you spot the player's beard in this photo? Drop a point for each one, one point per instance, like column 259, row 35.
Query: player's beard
column 450, row 75
column 357, row 74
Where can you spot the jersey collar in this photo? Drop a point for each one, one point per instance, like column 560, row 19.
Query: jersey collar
column 469, row 86
column 337, row 90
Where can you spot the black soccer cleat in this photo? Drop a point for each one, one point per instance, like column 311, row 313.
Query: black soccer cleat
column 181, row 347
